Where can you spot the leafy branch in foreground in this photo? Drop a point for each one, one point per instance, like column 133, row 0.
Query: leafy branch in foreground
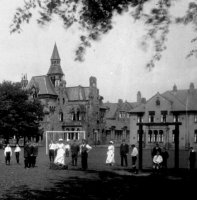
column 95, row 17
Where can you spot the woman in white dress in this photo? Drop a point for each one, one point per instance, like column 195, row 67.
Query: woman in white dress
column 60, row 157
column 110, row 154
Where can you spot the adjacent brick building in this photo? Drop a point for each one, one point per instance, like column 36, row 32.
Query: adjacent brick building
column 171, row 106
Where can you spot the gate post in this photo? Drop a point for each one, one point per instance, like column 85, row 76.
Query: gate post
column 140, row 145
column 176, row 138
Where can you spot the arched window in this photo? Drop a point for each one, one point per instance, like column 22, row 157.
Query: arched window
column 195, row 136
column 173, row 135
column 61, row 116
column 155, row 135
column 78, row 117
column 160, row 135
column 150, row 136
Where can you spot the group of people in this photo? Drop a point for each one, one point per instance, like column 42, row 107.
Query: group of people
column 60, row 153
column 160, row 158
column 124, row 151
column 30, row 154
column 8, row 153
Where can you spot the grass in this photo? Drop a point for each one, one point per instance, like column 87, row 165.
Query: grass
column 98, row 182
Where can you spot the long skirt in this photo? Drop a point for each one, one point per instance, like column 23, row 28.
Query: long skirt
column 110, row 157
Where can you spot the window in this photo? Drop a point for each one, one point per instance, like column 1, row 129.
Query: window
column 78, row 117
column 163, row 116
column 195, row 136
column 155, row 138
column 150, row 138
column 173, row 136
column 151, row 116
column 176, row 118
column 122, row 114
column 63, row 100
column 139, row 119
column 195, row 118
column 61, row 117
column 157, row 102
column 160, row 135
column 73, row 117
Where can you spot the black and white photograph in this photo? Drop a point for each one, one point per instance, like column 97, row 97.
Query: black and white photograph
column 98, row 99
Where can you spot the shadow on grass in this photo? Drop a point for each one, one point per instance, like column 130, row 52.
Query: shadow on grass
column 106, row 186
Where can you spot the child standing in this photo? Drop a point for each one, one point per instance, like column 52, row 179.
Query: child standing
column 17, row 153
column 7, row 154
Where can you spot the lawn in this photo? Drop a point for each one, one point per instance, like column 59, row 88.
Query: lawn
column 98, row 182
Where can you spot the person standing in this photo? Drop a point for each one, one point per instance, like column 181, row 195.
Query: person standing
column 27, row 154
column 74, row 152
column 67, row 149
column 134, row 154
column 192, row 159
column 7, row 154
column 124, row 150
column 60, row 157
column 34, row 154
column 52, row 147
column 110, row 154
column 165, row 156
column 17, row 153
column 84, row 149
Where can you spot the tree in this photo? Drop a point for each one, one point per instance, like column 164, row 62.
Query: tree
column 19, row 116
column 95, row 18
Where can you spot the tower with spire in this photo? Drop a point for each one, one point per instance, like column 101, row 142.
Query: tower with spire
column 55, row 72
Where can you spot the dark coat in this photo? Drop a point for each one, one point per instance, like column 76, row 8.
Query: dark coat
column 27, row 151
column 124, row 149
column 74, row 149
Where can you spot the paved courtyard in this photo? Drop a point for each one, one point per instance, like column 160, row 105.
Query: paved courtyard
column 99, row 182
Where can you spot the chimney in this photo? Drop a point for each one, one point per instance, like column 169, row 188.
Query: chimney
column 174, row 89
column 139, row 97
column 191, row 87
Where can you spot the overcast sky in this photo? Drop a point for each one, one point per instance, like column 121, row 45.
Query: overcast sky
column 117, row 60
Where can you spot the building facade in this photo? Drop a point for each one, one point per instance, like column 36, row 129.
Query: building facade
column 117, row 126
column 171, row 106
column 74, row 108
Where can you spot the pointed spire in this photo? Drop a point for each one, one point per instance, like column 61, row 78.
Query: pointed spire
column 55, row 68
column 55, row 54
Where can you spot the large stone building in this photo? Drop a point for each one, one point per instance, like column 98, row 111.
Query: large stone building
column 171, row 106
column 117, row 118
column 74, row 108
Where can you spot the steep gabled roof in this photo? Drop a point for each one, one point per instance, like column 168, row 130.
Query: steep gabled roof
column 43, row 84
column 112, row 108
column 183, row 99
column 77, row 93
column 139, row 109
